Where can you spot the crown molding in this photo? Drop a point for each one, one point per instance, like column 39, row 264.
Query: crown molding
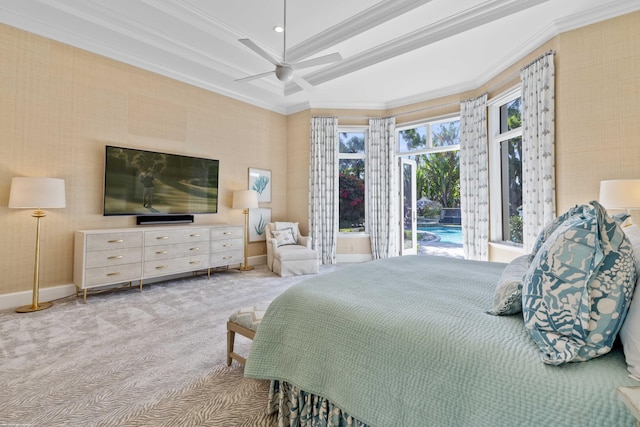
column 110, row 20
column 603, row 12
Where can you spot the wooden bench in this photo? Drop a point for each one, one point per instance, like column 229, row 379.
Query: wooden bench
column 245, row 322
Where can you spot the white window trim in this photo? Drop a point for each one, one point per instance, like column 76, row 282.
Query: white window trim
column 495, row 170
column 363, row 156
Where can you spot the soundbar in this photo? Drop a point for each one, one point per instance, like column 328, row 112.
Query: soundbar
column 163, row 219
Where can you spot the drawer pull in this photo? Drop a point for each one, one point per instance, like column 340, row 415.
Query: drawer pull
column 194, row 262
column 160, row 267
column 226, row 245
column 194, row 249
column 116, row 241
column 228, row 232
column 162, row 252
column 162, row 237
column 114, row 274
column 227, row 257
column 115, row 257
column 195, row 235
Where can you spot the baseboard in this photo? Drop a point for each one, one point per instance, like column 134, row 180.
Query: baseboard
column 352, row 258
column 17, row 299
column 257, row 260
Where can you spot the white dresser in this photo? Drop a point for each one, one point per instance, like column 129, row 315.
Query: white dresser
column 116, row 256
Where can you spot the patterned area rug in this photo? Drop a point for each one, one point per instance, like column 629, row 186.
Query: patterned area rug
column 129, row 358
column 222, row 398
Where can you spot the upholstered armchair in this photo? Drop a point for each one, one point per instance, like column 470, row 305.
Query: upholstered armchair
column 288, row 252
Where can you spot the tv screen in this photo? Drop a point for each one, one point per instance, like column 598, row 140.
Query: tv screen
column 140, row 182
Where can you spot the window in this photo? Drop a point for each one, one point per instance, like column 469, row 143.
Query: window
column 505, row 120
column 351, row 180
column 435, row 146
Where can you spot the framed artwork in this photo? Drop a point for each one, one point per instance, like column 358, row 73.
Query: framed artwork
column 258, row 220
column 260, row 181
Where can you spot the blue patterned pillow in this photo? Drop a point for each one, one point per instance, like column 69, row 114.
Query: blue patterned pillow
column 550, row 228
column 578, row 288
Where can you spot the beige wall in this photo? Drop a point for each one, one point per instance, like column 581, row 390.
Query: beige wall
column 60, row 106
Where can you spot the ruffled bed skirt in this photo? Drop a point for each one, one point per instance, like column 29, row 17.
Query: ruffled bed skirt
column 297, row 408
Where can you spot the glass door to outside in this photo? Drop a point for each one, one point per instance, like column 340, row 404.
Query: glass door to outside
column 408, row 242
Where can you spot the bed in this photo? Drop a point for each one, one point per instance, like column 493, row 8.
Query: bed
column 407, row 341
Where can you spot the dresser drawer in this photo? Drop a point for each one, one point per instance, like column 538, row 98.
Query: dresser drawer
column 226, row 258
column 152, row 253
column 113, row 257
column 103, row 241
column 176, row 265
column 218, row 233
column 112, row 274
column 164, row 237
column 226, row 245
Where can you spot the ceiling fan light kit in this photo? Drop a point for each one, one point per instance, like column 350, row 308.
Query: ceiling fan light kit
column 284, row 72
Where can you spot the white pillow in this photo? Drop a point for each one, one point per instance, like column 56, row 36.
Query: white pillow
column 283, row 237
column 630, row 331
column 292, row 225
column 508, row 295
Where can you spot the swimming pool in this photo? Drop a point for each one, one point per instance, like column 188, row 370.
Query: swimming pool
column 448, row 234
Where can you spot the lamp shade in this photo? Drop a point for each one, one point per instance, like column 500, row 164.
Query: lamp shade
column 620, row 193
column 37, row 193
column 245, row 199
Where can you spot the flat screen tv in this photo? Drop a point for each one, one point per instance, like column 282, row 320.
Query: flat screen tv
column 140, row 182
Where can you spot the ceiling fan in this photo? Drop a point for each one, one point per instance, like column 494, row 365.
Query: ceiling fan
column 284, row 70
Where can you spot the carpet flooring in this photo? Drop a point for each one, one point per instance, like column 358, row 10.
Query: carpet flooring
column 129, row 358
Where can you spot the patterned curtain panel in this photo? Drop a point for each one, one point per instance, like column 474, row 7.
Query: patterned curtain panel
column 382, row 188
column 538, row 142
column 474, row 178
column 323, row 187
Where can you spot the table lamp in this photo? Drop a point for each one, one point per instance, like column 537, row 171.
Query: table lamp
column 620, row 194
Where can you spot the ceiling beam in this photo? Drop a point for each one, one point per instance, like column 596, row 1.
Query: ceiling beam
column 352, row 26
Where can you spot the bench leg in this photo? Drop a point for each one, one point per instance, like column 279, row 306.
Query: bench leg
column 231, row 335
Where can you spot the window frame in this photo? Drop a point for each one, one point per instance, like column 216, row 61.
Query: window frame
column 495, row 163
column 428, row 123
column 355, row 156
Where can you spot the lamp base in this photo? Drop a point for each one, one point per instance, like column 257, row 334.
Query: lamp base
column 31, row 308
column 245, row 268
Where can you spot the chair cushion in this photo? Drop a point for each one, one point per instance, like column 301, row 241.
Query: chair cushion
column 249, row 317
column 295, row 253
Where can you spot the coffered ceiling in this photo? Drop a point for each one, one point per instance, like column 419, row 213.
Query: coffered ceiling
column 394, row 52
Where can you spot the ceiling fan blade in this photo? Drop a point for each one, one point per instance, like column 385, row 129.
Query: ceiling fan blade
column 304, row 85
column 321, row 60
column 255, row 77
column 257, row 49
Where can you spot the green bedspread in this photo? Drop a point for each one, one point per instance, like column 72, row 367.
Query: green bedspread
column 406, row 342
